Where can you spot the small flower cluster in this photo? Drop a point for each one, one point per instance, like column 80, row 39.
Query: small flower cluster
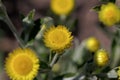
column 25, row 63
column 101, row 57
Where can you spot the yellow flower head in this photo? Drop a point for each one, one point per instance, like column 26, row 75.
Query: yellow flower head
column 118, row 73
column 62, row 7
column 22, row 64
column 58, row 38
column 92, row 44
column 101, row 57
column 109, row 14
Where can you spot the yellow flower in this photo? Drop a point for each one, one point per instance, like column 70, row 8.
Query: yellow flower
column 101, row 57
column 92, row 44
column 58, row 38
column 109, row 14
column 118, row 72
column 22, row 64
column 62, row 7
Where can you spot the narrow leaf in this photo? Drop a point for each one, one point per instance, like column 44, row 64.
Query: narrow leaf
column 97, row 8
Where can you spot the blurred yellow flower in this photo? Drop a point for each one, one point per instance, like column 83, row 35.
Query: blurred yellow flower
column 109, row 14
column 118, row 72
column 58, row 38
column 92, row 44
column 22, row 64
column 101, row 57
column 56, row 67
column 62, row 7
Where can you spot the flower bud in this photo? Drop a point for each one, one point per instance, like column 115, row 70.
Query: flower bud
column 101, row 57
column 92, row 44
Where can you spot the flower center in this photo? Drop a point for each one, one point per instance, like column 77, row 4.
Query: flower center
column 58, row 37
column 110, row 15
column 62, row 3
column 22, row 65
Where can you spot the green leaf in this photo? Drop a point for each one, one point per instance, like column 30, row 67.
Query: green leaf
column 1, row 33
column 28, row 20
column 35, row 78
column 67, row 75
column 1, row 61
column 31, row 27
column 44, row 65
column 72, row 24
column 51, row 55
column 1, row 15
column 115, row 47
column 78, row 54
column 113, row 1
column 81, row 54
column 35, row 29
column 2, row 11
column 45, row 23
column 112, row 74
column 58, row 78
column 107, row 32
column 106, row 69
column 48, row 21
column 28, row 23
column 97, row 8
column 29, row 33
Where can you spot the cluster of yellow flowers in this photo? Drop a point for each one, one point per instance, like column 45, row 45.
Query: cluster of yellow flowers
column 23, row 64
column 109, row 14
column 101, row 57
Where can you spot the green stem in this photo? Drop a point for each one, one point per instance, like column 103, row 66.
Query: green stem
column 40, row 33
column 15, row 33
column 116, row 50
column 62, row 19
column 108, row 33
column 55, row 58
column 11, row 26
column 50, row 56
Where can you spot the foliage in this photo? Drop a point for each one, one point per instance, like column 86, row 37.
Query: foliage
column 77, row 61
